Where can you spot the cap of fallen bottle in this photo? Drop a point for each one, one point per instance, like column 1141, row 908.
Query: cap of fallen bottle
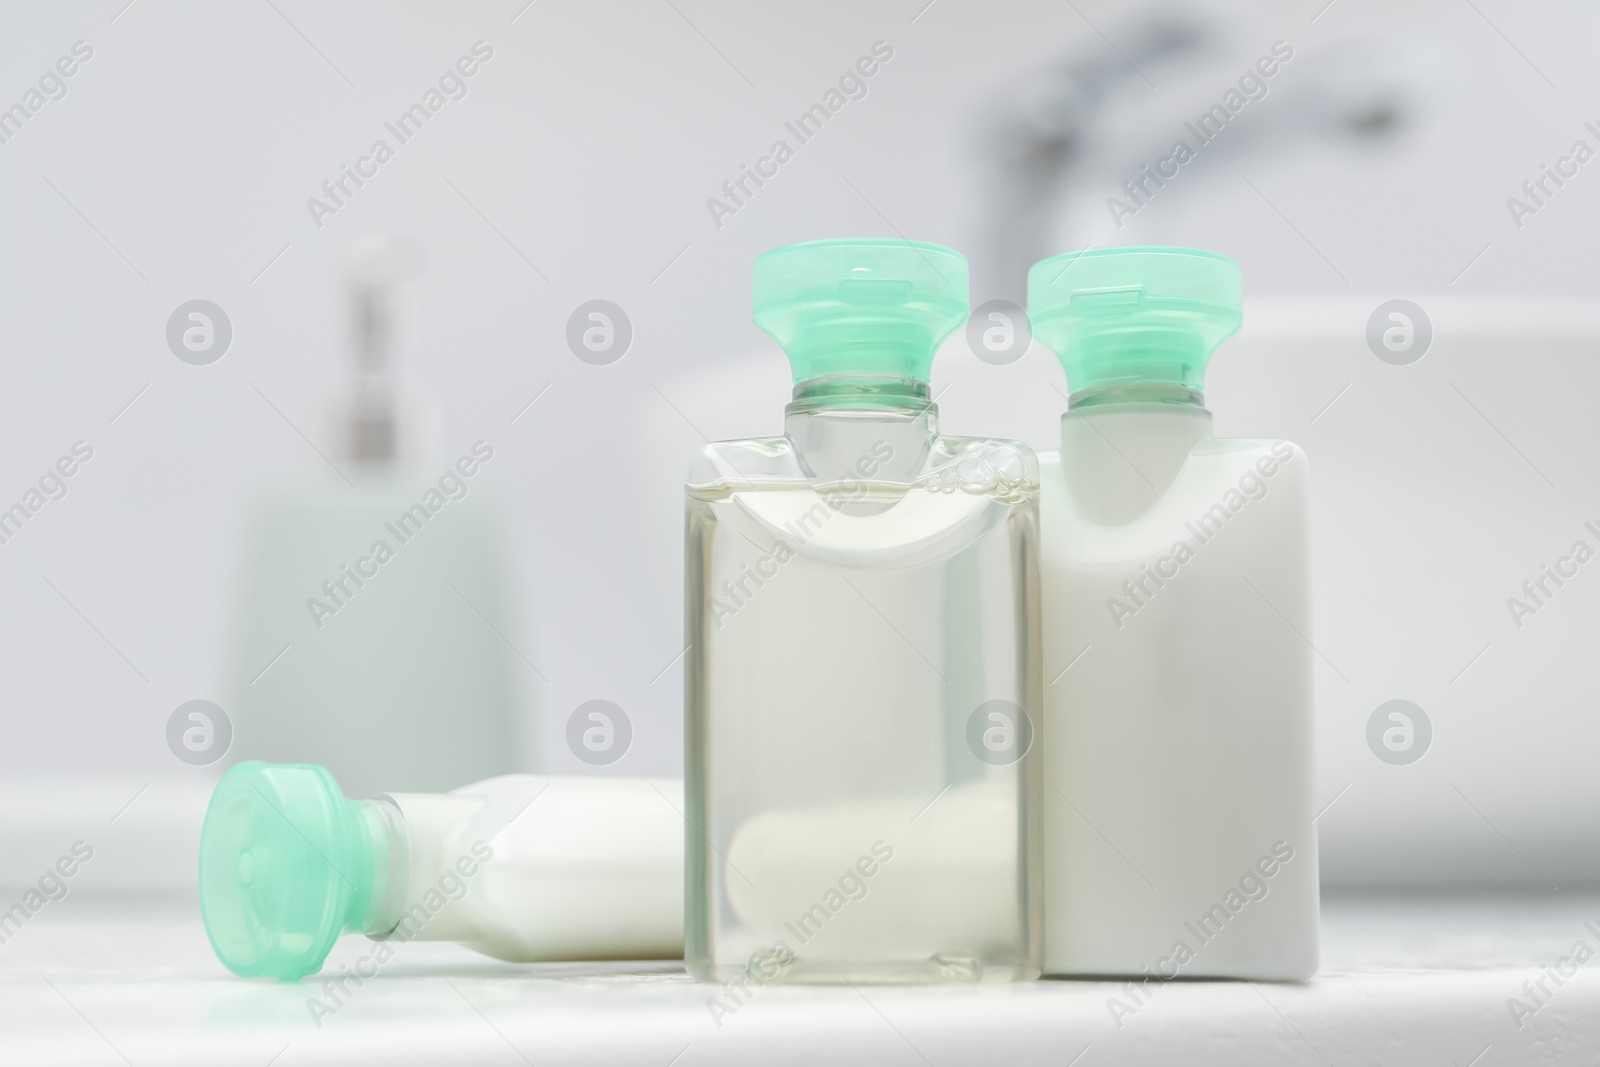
column 287, row 864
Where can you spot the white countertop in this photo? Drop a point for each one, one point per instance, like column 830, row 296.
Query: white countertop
column 1420, row 979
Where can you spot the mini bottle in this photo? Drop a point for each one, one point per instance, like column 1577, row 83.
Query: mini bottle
column 861, row 616
column 520, row 867
column 1178, row 739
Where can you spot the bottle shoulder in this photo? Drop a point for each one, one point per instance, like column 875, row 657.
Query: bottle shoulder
column 1218, row 449
column 1249, row 460
column 1285, row 451
column 1269, row 478
column 942, row 460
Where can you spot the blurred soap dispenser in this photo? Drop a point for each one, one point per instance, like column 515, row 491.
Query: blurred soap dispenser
column 373, row 604
column 1175, row 599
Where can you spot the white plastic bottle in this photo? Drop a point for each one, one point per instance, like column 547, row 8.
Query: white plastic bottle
column 521, row 867
column 1175, row 607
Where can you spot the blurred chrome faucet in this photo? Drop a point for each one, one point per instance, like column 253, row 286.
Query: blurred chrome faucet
column 1051, row 139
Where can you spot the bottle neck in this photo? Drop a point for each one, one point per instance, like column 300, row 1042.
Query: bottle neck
column 1122, row 447
column 859, row 392
column 855, row 426
column 1117, row 393
column 388, row 844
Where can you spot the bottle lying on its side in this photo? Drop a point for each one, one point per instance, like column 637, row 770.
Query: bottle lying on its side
column 521, row 867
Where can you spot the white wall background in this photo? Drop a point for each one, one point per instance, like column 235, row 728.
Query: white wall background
column 179, row 163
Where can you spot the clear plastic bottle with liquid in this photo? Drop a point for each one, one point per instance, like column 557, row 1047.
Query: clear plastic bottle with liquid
column 861, row 689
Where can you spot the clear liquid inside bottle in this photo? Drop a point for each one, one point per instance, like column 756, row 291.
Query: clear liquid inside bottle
column 861, row 698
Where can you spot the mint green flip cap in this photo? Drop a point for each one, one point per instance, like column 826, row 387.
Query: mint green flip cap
column 873, row 308
column 1127, row 316
column 287, row 864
